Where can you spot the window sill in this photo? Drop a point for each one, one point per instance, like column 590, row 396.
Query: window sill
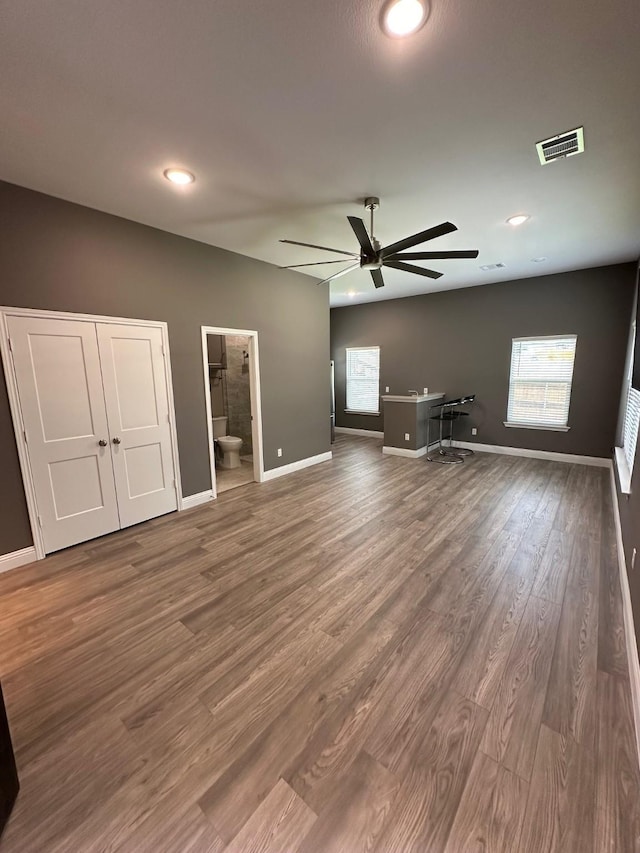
column 357, row 412
column 537, row 426
column 624, row 474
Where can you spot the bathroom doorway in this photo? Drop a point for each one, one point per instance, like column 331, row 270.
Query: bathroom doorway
column 232, row 395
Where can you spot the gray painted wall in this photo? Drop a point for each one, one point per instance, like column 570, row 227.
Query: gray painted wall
column 459, row 342
column 61, row 256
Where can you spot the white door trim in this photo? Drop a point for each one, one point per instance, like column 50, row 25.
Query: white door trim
column 256, row 401
column 16, row 412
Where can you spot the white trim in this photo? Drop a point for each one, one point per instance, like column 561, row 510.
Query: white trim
column 629, row 629
column 622, row 466
column 283, row 470
column 571, row 337
column 16, row 412
column 404, row 451
column 196, row 500
column 594, row 461
column 17, row 558
column 256, row 400
column 366, row 433
column 514, row 425
column 361, row 412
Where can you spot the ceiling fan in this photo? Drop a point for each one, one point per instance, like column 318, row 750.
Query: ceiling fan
column 373, row 256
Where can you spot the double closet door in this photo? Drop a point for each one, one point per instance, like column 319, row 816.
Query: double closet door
column 95, row 411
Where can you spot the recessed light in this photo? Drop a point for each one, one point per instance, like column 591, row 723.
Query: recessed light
column 351, row 294
column 402, row 18
column 518, row 219
column 179, row 176
column 538, row 260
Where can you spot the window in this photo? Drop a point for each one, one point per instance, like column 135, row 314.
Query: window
column 629, row 425
column 540, row 382
column 363, row 378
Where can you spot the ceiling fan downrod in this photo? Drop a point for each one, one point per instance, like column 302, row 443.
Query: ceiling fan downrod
column 372, row 203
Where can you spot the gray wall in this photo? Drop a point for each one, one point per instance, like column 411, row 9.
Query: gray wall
column 60, row 256
column 459, row 342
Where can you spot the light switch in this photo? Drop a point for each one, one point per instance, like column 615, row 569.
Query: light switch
column 386, row 389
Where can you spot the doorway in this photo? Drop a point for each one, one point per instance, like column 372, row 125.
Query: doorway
column 233, row 410
column 92, row 405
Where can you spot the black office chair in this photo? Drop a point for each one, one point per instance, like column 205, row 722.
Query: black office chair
column 450, row 411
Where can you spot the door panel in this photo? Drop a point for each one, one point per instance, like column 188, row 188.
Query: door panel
column 60, row 388
column 135, row 391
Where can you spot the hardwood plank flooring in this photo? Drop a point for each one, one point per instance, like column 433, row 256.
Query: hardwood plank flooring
column 373, row 654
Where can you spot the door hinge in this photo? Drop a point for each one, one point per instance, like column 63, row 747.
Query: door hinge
column 10, row 342
column 26, row 440
column 169, row 417
column 164, row 352
column 40, row 521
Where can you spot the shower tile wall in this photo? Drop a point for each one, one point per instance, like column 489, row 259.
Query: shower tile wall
column 238, row 391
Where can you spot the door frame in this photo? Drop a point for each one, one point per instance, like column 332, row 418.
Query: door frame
column 256, row 400
column 16, row 411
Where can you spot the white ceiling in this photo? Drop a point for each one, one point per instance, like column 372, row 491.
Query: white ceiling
column 289, row 113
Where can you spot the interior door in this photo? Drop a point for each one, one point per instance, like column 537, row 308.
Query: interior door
column 137, row 400
column 57, row 368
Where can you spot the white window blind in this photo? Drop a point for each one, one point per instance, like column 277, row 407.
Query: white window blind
column 630, row 426
column 363, row 379
column 540, row 381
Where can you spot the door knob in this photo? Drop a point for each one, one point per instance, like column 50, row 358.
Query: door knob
column 102, row 442
column 116, row 440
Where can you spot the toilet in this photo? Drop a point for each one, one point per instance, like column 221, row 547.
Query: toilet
column 228, row 445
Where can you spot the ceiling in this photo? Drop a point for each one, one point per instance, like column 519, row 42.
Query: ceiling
column 290, row 113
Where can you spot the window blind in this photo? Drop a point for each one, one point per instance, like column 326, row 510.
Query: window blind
column 363, row 379
column 630, row 426
column 540, row 380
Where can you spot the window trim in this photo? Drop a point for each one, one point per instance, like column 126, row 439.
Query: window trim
column 365, row 412
column 537, row 424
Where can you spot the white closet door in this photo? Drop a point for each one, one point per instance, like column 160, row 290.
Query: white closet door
column 135, row 392
column 59, row 381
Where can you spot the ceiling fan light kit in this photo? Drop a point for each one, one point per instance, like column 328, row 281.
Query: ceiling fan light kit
column 373, row 256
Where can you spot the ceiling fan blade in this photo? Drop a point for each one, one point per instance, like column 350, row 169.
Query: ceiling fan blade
column 432, row 256
column 313, row 264
column 338, row 274
column 398, row 265
column 323, row 248
column 376, row 275
column 421, row 237
column 360, row 230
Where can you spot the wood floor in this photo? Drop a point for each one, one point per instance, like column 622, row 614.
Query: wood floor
column 372, row 654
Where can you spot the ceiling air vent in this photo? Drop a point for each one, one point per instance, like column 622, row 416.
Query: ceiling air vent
column 560, row 146
column 498, row 266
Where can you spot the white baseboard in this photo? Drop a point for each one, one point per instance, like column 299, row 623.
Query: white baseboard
column 283, row 470
column 596, row 461
column 404, row 451
column 17, row 558
column 195, row 500
column 365, row 433
column 629, row 628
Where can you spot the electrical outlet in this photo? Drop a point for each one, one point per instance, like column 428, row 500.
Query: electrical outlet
column 633, row 558
column 425, row 391
column 386, row 389
column 407, row 436
column 474, row 431
column 279, row 451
